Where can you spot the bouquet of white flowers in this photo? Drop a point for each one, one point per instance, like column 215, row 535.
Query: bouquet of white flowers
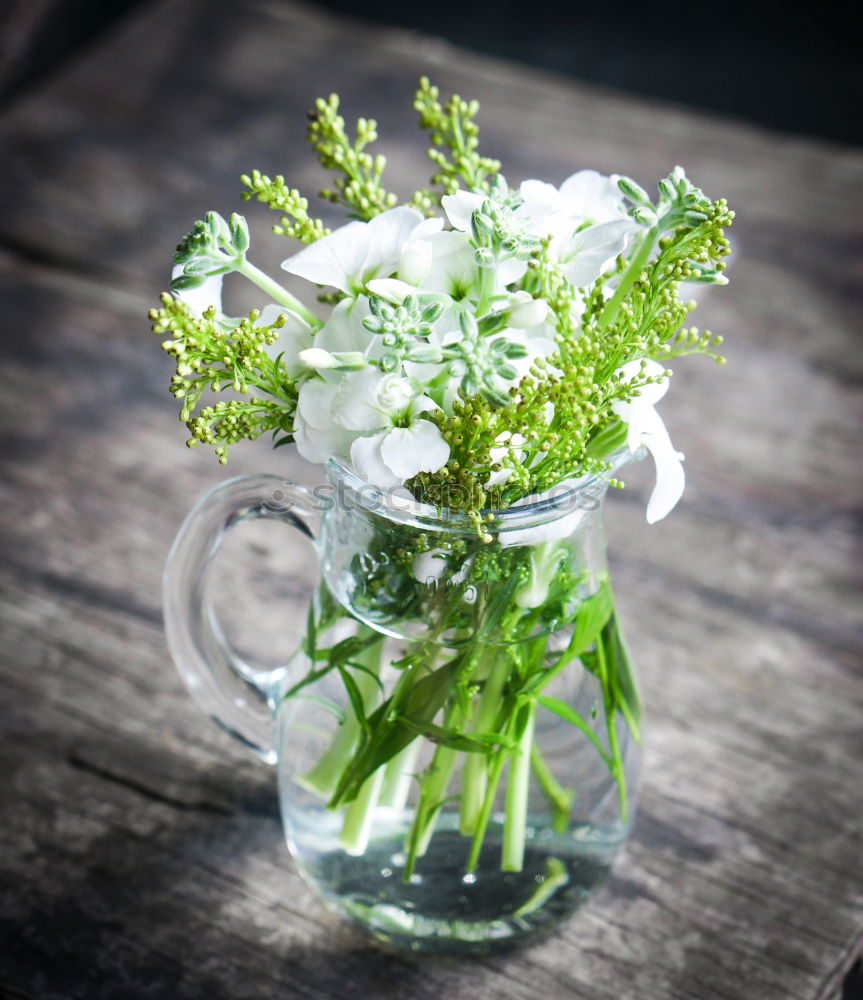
column 467, row 352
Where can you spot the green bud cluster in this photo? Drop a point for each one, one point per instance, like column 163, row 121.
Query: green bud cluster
column 404, row 329
column 508, row 436
column 451, row 126
column 482, row 362
column 581, row 380
column 215, row 356
column 360, row 188
column 213, row 247
column 296, row 223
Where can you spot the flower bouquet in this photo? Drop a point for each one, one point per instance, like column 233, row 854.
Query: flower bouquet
column 458, row 735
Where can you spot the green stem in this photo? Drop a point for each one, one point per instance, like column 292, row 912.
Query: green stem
column 555, row 877
column 630, row 275
column 359, row 815
column 281, row 296
column 475, row 771
column 485, row 812
column 517, row 789
column 398, row 775
column 433, row 788
column 560, row 798
column 324, row 776
column 486, row 290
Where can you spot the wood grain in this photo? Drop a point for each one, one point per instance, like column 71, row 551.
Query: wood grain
column 141, row 851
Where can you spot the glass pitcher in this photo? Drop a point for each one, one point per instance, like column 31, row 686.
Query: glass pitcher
column 457, row 737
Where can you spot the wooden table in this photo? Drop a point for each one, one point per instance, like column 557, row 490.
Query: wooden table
column 140, row 851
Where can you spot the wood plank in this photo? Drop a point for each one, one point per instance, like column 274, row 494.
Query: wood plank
column 141, row 853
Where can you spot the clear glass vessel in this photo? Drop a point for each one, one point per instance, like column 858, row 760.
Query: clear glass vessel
column 457, row 737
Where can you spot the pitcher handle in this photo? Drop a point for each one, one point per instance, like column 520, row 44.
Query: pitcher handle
column 236, row 696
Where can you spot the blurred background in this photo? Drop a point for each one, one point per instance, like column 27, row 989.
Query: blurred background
column 762, row 60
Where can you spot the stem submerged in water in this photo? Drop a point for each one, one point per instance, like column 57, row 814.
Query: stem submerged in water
column 489, row 691
column 515, row 821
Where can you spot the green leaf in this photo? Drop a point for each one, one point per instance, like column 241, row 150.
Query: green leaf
column 356, row 698
column 621, row 678
column 592, row 617
column 392, row 726
column 359, row 666
column 325, row 703
column 455, row 740
column 568, row 714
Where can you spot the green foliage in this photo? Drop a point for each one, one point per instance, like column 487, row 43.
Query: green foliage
column 296, row 223
column 359, row 187
column 451, row 127
column 211, row 355
column 213, row 247
column 641, row 319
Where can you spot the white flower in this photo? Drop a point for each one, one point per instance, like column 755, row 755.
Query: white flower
column 586, row 254
column 374, row 420
column 646, row 428
column 359, row 252
column 318, row 437
column 391, row 457
column 586, row 196
column 442, row 262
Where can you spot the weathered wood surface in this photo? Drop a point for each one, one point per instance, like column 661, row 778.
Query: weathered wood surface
column 141, row 853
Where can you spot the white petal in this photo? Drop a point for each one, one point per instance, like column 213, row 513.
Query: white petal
column 527, row 315
column 319, row 445
column 415, row 261
column 427, row 227
column 208, row 293
column 591, row 195
column 418, row 448
column 588, row 253
column 344, row 330
column 509, row 271
column 670, row 478
column 653, row 392
column 366, row 460
column 550, row 531
column 357, row 252
column 315, row 402
column 335, row 260
column 355, row 405
column 453, row 268
column 540, row 200
column 459, row 207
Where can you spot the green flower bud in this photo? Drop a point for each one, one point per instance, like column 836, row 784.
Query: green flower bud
column 239, row 233
column 634, row 191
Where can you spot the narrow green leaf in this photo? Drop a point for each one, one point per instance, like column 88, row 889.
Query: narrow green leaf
column 592, row 617
column 568, row 714
column 356, row 698
column 447, row 737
